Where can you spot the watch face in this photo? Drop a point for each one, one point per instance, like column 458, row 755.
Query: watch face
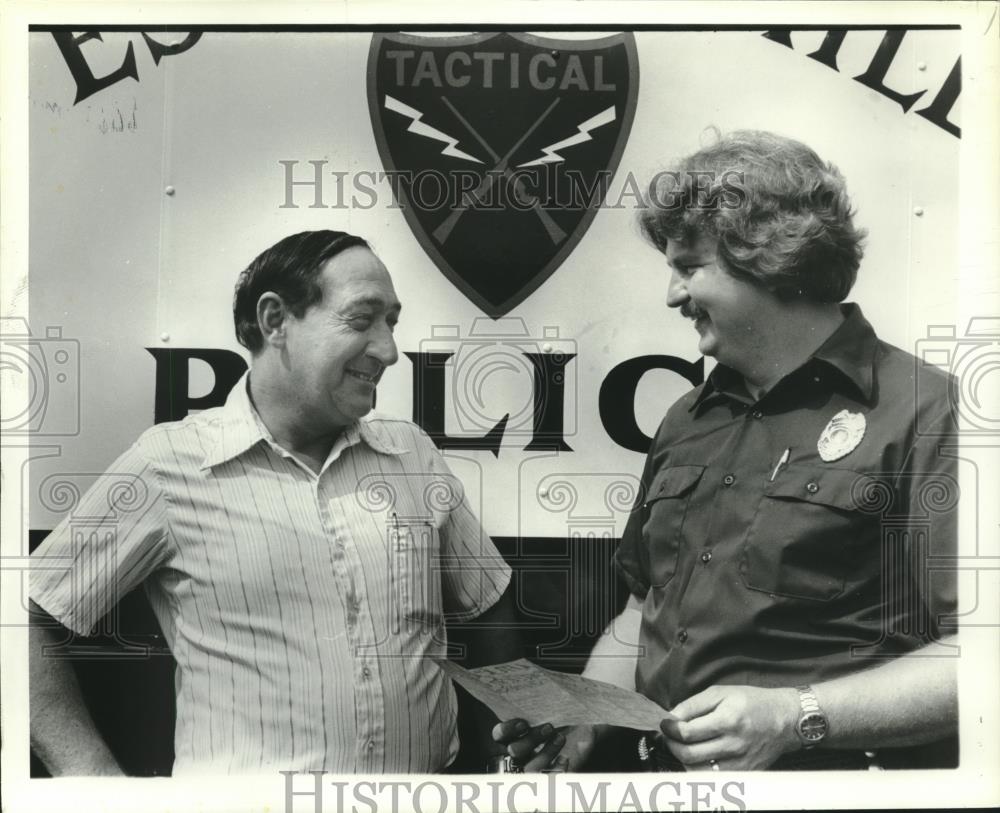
column 812, row 727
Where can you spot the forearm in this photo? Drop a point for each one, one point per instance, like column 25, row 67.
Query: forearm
column 63, row 734
column 613, row 658
column 909, row 701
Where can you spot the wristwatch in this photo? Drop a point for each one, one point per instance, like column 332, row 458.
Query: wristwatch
column 811, row 727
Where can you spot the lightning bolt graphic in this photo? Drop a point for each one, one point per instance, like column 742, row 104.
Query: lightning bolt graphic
column 582, row 134
column 418, row 127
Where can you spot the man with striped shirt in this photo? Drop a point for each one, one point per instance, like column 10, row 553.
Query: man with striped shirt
column 301, row 553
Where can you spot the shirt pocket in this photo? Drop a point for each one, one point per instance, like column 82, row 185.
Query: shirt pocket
column 414, row 553
column 806, row 536
column 666, row 507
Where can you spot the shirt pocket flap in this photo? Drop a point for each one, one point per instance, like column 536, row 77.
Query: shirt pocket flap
column 843, row 489
column 674, row 481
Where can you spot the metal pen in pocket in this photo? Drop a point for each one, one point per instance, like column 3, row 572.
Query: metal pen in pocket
column 783, row 461
column 397, row 569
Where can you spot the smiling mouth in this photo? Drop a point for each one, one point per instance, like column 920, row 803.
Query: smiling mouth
column 366, row 377
column 699, row 317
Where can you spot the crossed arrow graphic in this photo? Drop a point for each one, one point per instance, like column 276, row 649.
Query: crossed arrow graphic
column 501, row 166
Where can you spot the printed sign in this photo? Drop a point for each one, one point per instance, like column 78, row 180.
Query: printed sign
column 500, row 148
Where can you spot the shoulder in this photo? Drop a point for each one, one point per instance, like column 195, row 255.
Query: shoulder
column 413, row 451
column 679, row 414
column 395, row 433
column 901, row 377
column 186, row 440
column 687, row 400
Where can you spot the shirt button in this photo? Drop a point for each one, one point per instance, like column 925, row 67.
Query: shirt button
column 729, row 479
column 371, row 745
column 812, row 488
column 366, row 672
column 682, row 636
column 706, row 557
column 757, row 414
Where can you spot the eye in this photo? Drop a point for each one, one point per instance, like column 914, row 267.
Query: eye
column 360, row 322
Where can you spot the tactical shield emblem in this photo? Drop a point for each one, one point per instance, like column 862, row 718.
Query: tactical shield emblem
column 500, row 147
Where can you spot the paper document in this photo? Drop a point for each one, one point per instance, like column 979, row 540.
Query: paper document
column 522, row 689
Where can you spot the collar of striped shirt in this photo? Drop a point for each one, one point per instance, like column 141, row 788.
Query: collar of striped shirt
column 243, row 429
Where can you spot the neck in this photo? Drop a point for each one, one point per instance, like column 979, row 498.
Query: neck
column 281, row 412
column 796, row 332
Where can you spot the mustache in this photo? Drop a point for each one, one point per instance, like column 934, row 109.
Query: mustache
column 690, row 311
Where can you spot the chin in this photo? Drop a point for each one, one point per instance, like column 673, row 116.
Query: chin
column 707, row 347
column 354, row 411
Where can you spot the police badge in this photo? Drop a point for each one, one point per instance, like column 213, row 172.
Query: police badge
column 841, row 435
column 500, row 148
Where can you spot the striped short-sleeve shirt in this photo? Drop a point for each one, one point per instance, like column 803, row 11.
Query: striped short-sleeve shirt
column 304, row 610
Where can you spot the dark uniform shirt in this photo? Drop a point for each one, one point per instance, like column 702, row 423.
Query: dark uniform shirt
column 818, row 572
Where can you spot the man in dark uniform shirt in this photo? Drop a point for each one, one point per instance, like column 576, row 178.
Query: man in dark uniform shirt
column 788, row 555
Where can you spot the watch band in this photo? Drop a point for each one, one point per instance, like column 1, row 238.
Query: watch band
column 811, row 727
column 807, row 699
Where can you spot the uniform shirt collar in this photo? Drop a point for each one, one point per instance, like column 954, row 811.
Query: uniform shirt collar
column 850, row 351
column 240, row 428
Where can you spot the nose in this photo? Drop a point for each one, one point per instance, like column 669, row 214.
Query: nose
column 383, row 347
column 677, row 293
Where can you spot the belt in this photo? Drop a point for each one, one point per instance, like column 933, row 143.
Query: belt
column 655, row 756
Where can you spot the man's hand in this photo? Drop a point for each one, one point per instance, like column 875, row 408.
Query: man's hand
column 566, row 749
column 739, row 727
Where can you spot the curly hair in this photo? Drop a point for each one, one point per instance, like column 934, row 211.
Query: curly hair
column 781, row 215
column 290, row 268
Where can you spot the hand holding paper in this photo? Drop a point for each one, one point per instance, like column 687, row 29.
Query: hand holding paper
column 522, row 689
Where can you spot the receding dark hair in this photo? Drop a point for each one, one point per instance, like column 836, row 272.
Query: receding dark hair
column 781, row 215
column 291, row 269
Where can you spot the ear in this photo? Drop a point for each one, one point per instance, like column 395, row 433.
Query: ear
column 272, row 318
